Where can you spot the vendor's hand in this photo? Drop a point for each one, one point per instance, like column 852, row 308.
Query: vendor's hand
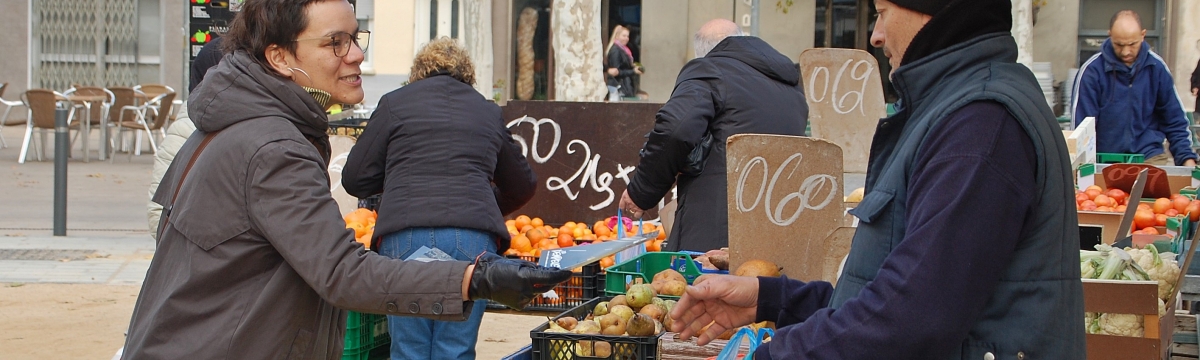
column 1195, row 91
column 637, row 70
column 726, row 301
column 511, row 282
column 1189, row 162
column 629, row 207
column 613, row 72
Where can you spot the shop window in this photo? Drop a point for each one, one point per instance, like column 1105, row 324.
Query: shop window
column 532, row 58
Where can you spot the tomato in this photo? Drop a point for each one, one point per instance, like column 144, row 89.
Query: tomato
column 1104, row 201
column 1160, row 220
column 1180, row 203
column 1143, row 219
column 1092, row 193
column 1116, row 194
column 1150, row 231
column 1080, row 197
column 1172, row 213
column 1161, row 205
column 1193, row 210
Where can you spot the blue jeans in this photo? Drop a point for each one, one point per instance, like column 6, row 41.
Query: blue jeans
column 417, row 338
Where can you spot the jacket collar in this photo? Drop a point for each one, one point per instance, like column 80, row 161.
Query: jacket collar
column 916, row 80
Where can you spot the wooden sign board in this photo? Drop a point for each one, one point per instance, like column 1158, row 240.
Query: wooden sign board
column 584, row 154
column 785, row 204
column 845, row 100
column 340, row 145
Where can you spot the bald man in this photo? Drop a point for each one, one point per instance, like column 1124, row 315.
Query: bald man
column 1130, row 92
column 736, row 84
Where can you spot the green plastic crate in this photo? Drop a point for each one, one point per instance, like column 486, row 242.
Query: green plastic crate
column 365, row 335
column 645, row 266
column 1111, row 158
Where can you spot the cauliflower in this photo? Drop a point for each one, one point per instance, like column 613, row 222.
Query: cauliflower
column 1163, row 269
column 1121, row 325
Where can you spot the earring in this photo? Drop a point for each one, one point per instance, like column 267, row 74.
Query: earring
column 310, row 81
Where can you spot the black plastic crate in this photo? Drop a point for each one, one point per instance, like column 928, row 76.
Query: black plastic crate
column 352, row 127
column 370, row 202
column 558, row 346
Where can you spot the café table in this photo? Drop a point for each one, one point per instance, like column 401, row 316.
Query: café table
column 87, row 101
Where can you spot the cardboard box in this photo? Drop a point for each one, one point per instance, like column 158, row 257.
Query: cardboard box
column 1129, row 297
column 1108, row 222
column 1081, row 143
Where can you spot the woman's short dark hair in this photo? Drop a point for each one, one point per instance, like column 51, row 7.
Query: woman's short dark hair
column 263, row 23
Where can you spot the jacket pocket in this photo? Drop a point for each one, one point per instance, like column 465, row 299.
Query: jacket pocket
column 207, row 231
column 873, row 204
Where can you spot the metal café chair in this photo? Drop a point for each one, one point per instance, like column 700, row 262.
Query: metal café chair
column 144, row 121
column 41, row 104
column 9, row 118
column 85, row 97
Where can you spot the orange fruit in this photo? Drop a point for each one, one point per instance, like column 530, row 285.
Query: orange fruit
column 600, row 228
column 526, row 228
column 537, row 222
column 511, row 252
column 654, row 246
column 521, row 243
column 535, row 234
column 566, row 240
column 578, row 233
column 522, row 221
column 569, row 224
column 607, row 262
column 510, row 223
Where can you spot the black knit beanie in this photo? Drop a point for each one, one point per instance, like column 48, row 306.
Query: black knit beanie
column 928, row 7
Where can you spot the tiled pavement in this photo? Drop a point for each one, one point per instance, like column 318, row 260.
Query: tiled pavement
column 84, row 260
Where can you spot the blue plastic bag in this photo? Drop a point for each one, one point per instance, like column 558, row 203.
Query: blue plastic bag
column 730, row 352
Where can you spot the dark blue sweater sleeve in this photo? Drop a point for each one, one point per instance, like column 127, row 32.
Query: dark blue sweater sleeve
column 971, row 188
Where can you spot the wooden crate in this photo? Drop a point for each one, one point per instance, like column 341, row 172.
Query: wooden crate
column 1129, row 297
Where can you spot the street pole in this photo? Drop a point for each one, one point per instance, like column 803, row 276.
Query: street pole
column 62, row 149
column 754, row 5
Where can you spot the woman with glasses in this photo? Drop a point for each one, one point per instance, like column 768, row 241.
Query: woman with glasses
column 449, row 171
column 253, row 258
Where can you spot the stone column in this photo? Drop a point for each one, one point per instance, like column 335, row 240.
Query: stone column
column 478, row 40
column 578, row 51
column 1022, row 30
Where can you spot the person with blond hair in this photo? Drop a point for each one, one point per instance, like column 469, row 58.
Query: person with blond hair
column 449, row 171
column 618, row 64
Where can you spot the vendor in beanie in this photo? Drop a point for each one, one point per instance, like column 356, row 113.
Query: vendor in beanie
column 967, row 246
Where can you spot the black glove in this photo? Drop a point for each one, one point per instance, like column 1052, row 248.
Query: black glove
column 511, row 282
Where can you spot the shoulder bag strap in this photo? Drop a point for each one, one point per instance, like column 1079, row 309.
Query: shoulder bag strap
column 167, row 211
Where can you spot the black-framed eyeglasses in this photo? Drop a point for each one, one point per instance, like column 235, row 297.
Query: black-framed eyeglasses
column 340, row 42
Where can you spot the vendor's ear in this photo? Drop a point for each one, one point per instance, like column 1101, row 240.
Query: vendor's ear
column 279, row 59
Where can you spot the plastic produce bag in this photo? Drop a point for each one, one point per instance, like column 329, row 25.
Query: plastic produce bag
column 755, row 339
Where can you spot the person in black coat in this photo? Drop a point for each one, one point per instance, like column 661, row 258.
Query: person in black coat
column 449, row 171
column 619, row 69
column 737, row 84
column 1196, row 87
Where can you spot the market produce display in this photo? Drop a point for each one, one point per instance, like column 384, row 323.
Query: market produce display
column 531, row 235
column 1130, row 264
column 1149, row 215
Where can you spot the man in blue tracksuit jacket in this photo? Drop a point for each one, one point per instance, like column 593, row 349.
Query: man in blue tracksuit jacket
column 1130, row 92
